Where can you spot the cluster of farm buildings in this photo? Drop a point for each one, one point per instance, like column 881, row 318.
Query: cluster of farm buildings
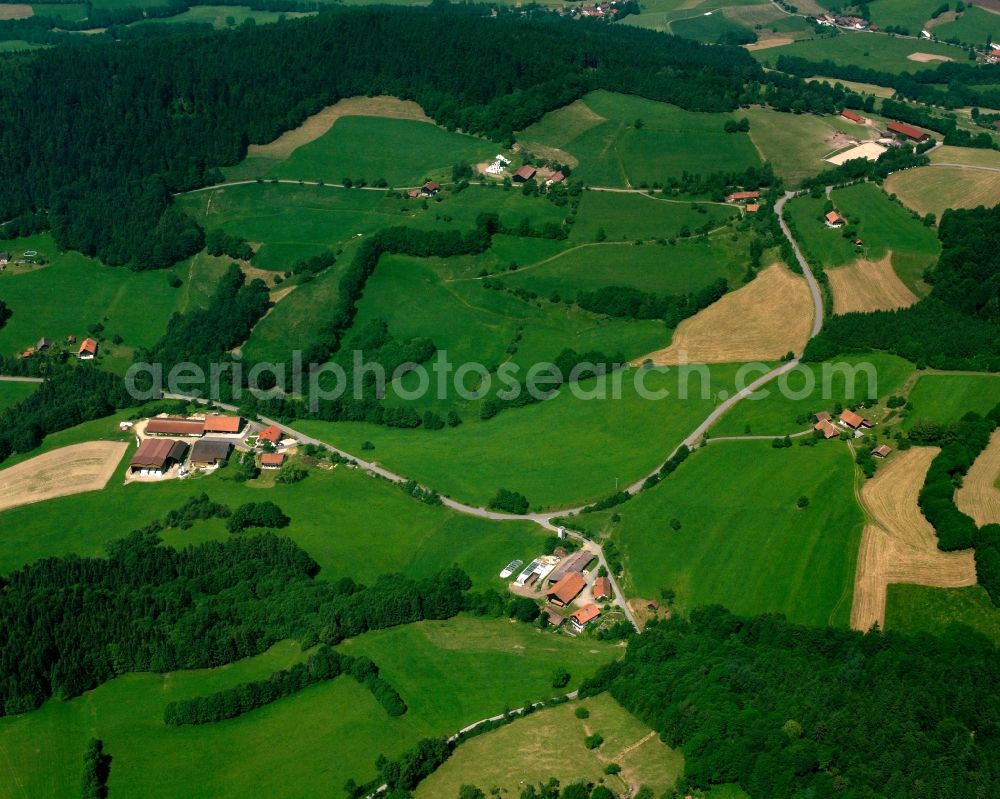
column 846, row 22
column 87, row 350
column 171, row 446
column 849, row 422
column 565, row 580
column 894, row 135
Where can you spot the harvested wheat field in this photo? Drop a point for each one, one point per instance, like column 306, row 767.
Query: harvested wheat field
column 934, row 189
column 16, row 11
column 65, row 471
column 319, row 123
column 868, row 286
column 979, row 496
column 761, row 321
column 925, row 58
column 767, row 44
column 899, row 545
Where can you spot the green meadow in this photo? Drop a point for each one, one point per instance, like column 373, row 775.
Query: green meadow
column 643, row 217
column 912, row 15
column 974, row 26
column 945, row 398
column 403, row 152
column 223, row 16
column 350, row 523
column 621, row 140
column 80, row 292
column 922, row 609
column 873, row 51
column 12, row 393
column 811, row 388
column 795, row 144
column 450, row 673
column 882, row 224
column 521, row 752
column 707, row 28
column 560, row 452
column 764, row 556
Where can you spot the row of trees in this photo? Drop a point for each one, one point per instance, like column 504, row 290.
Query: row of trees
column 96, row 770
column 632, row 303
column 324, row 664
column 257, row 514
column 791, row 711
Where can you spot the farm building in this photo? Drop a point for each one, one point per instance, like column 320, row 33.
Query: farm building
column 555, row 177
column 823, row 416
column 175, row 427
column 602, row 588
column 833, row 219
column 216, row 423
column 881, row 451
column 742, row 196
column 88, row 350
column 575, row 563
column 555, row 618
column 210, row 452
column 272, row 433
column 584, row 616
column 43, row 344
column 272, row 460
column 753, row 208
column 430, row 188
column 524, row 174
column 413, row 193
column 4, row 258
column 157, row 455
column 907, row 131
column 566, row 590
column 853, row 117
column 826, row 427
column 853, row 420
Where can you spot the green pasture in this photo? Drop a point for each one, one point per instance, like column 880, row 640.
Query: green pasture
column 559, row 452
column 870, row 50
column 795, row 144
column 882, row 224
column 70, row 11
column 628, row 217
column 403, row 152
column 810, row 388
column 601, row 133
column 922, row 609
column 912, row 15
column 946, row 398
column 223, row 16
column 973, row 26
column 13, row 393
column 706, row 26
column 455, row 672
column 72, row 292
column 743, row 542
column 522, row 752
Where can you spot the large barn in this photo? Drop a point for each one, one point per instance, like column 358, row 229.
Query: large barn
column 157, row 455
column 175, row 427
column 210, row 452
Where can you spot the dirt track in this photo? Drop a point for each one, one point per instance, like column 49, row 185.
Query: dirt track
column 763, row 320
column 65, row 471
column 899, row 545
column 868, row 286
column 979, row 496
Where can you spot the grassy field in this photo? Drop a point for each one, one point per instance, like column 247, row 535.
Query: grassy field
column 12, row 393
column 919, row 608
column 910, row 14
column 351, row 524
column 706, row 27
column 795, row 144
column 873, row 51
column 947, row 398
column 934, row 189
column 71, row 11
column 556, row 453
column 223, row 16
column 640, row 216
column 973, row 26
column 883, row 225
column 753, row 557
column 523, row 752
column 472, row 668
column 400, row 151
column 600, row 132
column 79, row 292
column 790, row 399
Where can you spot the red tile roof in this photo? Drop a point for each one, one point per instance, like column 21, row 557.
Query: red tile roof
column 271, row 433
column 567, row 589
column 826, row 428
column 851, row 419
column 852, row 116
column 88, row 347
column 586, row 614
column 602, row 588
column 214, row 423
column 272, row 459
column 526, row 172
column 907, row 130
column 833, row 218
column 153, row 453
column 175, row 427
column 742, row 195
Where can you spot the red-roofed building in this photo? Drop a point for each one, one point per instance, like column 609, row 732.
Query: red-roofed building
column 175, row 427
column 525, row 173
column 881, row 451
column 907, row 131
column 753, row 208
column 833, row 219
column 271, row 433
column 853, row 420
column 215, row 423
column 88, row 350
column 430, row 188
column 567, row 589
column 556, row 177
column 272, row 460
column 602, row 589
column 742, row 196
column 584, row 616
column 826, row 428
column 846, row 114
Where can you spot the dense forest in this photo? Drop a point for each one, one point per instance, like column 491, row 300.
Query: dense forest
column 68, row 624
column 790, row 711
column 957, row 326
column 99, row 136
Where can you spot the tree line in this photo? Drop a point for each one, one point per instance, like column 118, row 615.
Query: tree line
column 789, row 711
column 324, row 664
column 957, row 326
column 68, row 624
column 633, row 303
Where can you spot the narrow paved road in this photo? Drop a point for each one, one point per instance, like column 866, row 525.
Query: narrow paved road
column 12, row 379
column 779, row 208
